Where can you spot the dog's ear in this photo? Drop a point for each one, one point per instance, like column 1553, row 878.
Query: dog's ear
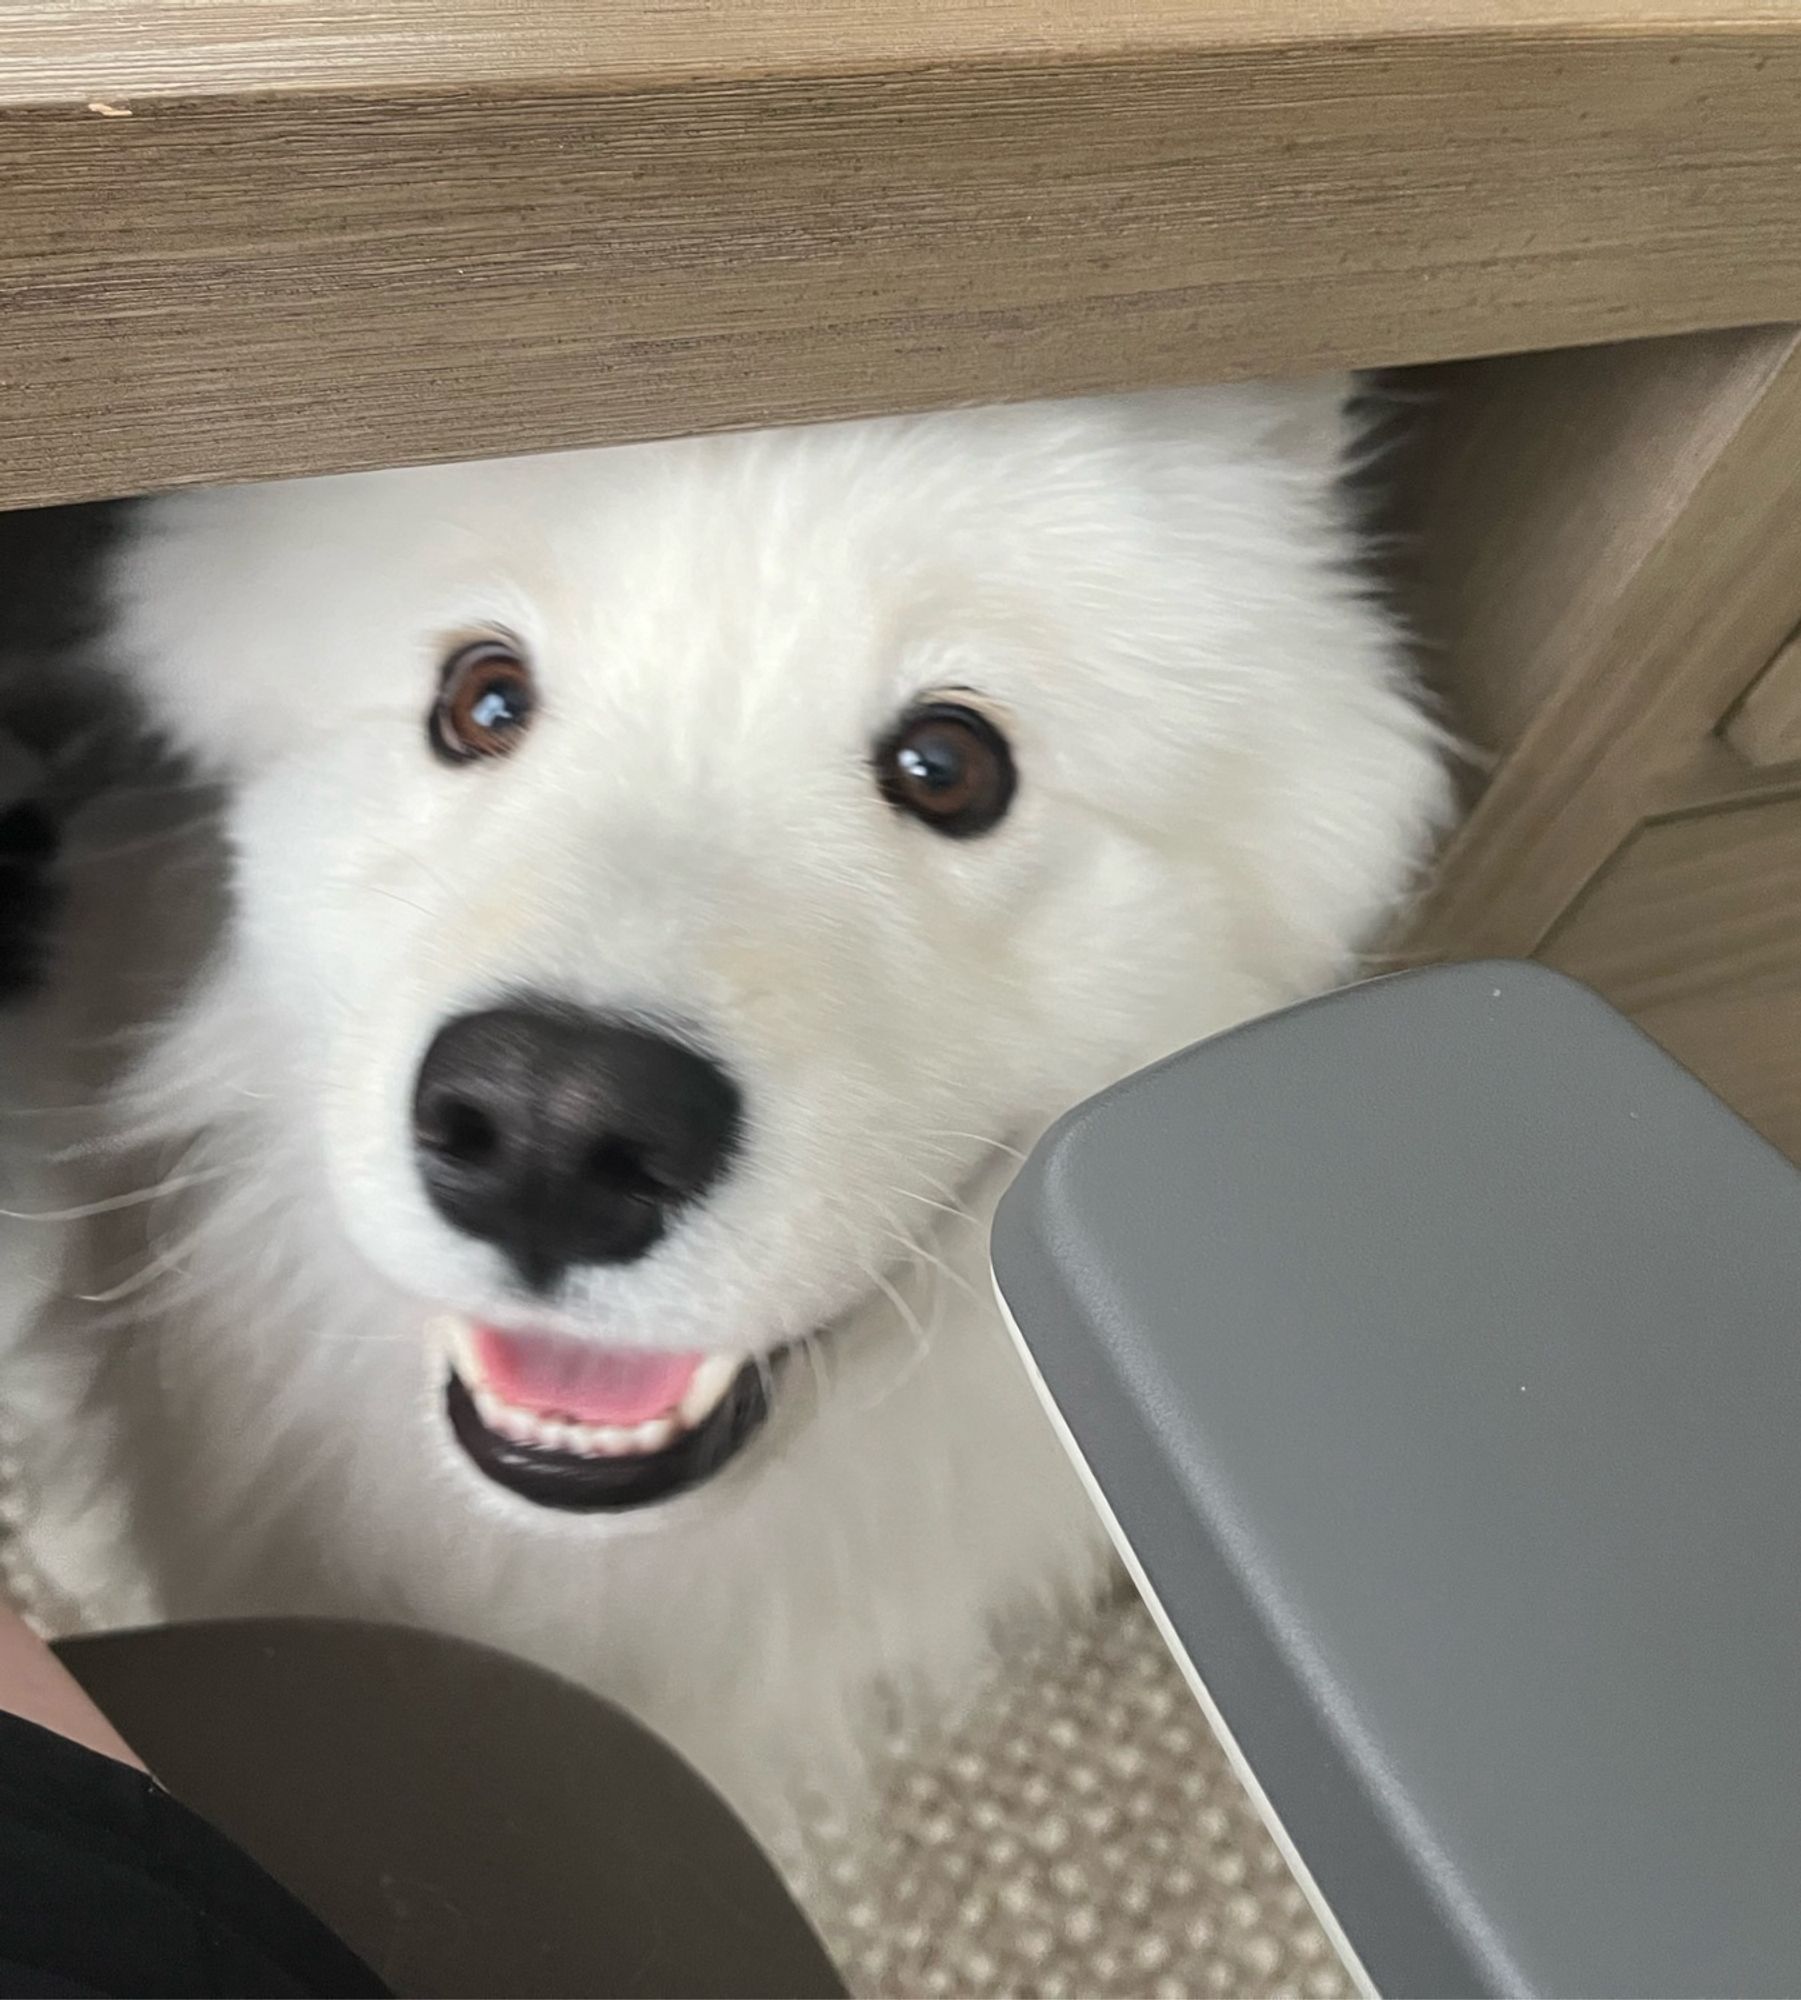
column 242, row 618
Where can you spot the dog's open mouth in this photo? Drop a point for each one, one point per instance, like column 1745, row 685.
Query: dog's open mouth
column 566, row 1424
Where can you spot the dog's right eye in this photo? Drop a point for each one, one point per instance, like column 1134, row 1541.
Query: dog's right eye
column 947, row 766
column 486, row 701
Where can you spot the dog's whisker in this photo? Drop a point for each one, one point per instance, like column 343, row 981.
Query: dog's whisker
column 112, row 1203
column 915, row 1139
column 813, row 1348
column 110, row 1144
column 890, row 1225
column 125, row 1315
column 937, row 1141
column 921, row 1341
column 931, row 1261
column 82, row 855
column 985, row 1139
column 957, row 1211
column 157, row 1266
column 394, row 896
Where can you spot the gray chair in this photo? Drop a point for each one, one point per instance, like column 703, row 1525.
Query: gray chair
column 1434, row 1352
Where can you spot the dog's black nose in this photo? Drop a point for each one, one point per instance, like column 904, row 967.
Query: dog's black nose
column 567, row 1138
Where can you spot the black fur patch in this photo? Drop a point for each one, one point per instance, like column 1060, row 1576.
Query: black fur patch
column 30, row 896
column 52, row 611
column 51, row 560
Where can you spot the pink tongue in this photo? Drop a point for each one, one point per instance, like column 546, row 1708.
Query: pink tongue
column 594, row 1385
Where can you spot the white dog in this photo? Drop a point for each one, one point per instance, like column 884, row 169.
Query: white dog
column 668, row 885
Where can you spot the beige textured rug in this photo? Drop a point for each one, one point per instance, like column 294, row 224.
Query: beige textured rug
column 1080, row 1835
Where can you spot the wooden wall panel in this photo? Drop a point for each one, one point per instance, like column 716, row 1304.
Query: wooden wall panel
column 1693, row 909
column 1611, row 547
column 1765, row 728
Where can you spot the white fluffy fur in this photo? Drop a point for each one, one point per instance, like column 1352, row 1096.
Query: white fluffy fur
column 1224, row 784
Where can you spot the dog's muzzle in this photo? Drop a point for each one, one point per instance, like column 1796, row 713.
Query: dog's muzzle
column 566, row 1424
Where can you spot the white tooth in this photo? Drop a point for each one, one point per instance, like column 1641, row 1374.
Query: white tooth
column 712, row 1379
column 458, row 1339
column 489, row 1407
column 653, row 1435
column 609, row 1440
column 519, row 1425
column 555, row 1436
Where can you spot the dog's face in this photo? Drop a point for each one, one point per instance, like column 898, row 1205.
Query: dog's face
column 678, row 871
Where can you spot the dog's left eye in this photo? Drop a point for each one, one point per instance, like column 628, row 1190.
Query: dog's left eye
column 485, row 703
column 949, row 767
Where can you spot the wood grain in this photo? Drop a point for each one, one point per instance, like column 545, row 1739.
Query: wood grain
column 1717, row 776
column 1744, row 1050
column 1693, row 931
column 250, row 237
column 68, row 51
column 1765, row 728
column 1613, row 549
column 1698, row 908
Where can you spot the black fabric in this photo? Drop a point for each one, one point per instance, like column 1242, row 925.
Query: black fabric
column 108, row 1886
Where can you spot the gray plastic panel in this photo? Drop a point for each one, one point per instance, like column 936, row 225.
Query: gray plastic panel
column 1437, row 1348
